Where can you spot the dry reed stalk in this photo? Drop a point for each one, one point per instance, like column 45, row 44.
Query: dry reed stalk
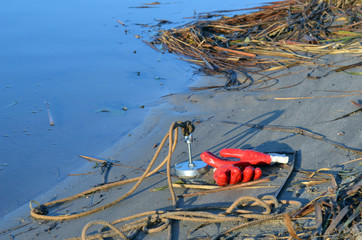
column 298, row 98
column 231, row 187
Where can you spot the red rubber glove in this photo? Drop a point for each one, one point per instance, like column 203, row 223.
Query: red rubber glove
column 229, row 173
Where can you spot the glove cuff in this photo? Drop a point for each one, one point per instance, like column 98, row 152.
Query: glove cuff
column 278, row 158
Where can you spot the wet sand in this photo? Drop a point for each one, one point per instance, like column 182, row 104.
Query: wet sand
column 211, row 109
column 87, row 67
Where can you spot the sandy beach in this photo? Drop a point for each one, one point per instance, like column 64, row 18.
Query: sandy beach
column 219, row 116
column 303, row 101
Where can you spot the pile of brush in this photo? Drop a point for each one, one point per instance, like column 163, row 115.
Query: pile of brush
column 277, row 36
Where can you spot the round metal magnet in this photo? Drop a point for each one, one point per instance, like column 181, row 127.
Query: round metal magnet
column 190, row 168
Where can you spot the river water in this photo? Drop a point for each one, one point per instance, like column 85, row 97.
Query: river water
column 73, row 61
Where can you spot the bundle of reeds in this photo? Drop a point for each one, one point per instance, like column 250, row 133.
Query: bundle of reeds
column 276, row 36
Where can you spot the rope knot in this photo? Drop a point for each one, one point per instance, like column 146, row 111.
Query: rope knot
column 41, row 209
column 187, row 127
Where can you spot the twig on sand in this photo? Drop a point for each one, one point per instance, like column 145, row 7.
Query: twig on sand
column 298, row 131
column 347, row 115
column 240, row 185
column 357, row 104
column 80, row 174
column 203, row 187
column 332, row 96
column 91, row 159
column 354, row 160
column 359, row 64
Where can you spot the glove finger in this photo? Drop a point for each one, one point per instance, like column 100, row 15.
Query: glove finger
column 221, row 176
column 248, row 174
column 235, row 175
column 257, row 173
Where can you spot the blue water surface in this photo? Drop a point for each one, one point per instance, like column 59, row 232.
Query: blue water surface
column 75, row 59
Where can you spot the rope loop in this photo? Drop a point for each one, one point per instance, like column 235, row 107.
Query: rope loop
column 162, row 225
column 40, row 209
column 104, row 223
column 249, row 199
column 33, row 201
column 273, row 199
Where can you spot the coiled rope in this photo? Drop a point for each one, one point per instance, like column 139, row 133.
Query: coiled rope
column 156, row 221
column 161, row 219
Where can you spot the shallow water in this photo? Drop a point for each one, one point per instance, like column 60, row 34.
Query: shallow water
column 75, row 58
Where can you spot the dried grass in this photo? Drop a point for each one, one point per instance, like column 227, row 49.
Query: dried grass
column 276, row 36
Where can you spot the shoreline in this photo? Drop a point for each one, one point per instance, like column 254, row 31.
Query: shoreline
column 63, row 186
column 86, row 71
column 211, row 109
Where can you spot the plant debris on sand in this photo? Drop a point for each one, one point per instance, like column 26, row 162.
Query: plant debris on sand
column 278, row 36
column 333, row 214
